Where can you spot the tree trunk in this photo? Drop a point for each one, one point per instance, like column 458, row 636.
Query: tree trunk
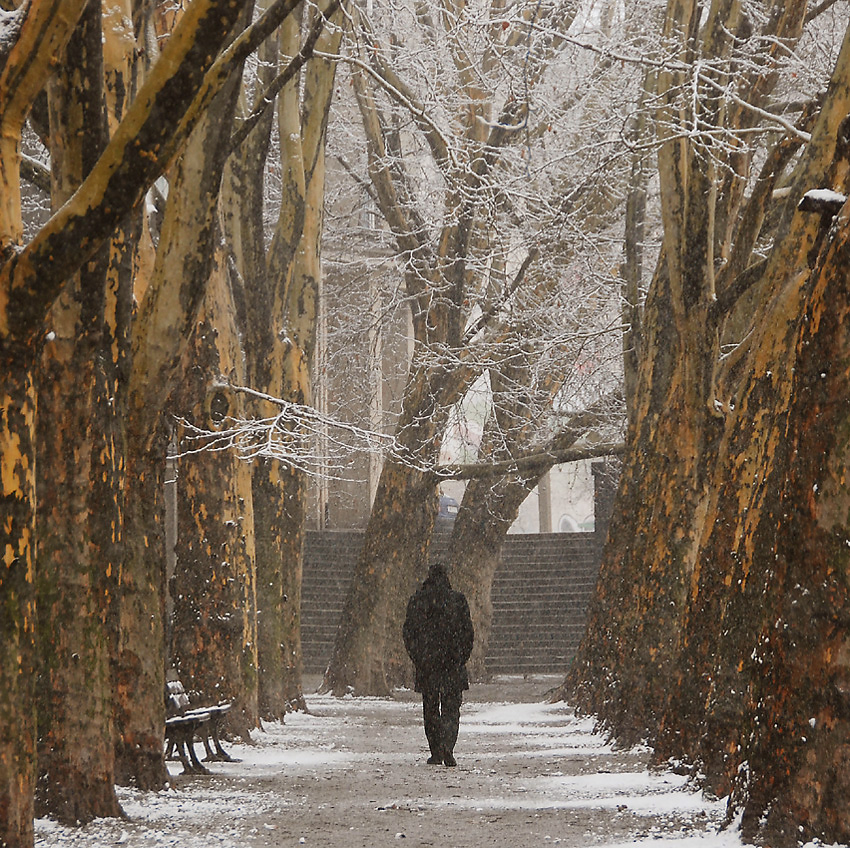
column 214, row 586
column 18, row 659
column 30, row 280
column 799, row 747
column 489, row 506
column 394, row 557
column 624, row 664
column 78, row 483
column 281, row 309
column 731, row 636
column 627, row 661
column 140, row 656
column 76, row 579
column 705, row 719
column 168, row 310
column 488, row 510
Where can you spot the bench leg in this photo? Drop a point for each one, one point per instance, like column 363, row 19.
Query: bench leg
column 197, row 766
column 205, row 738
column 188, row 768
column 221, row 754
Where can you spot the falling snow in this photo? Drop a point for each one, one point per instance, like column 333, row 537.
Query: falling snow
column 352, row 772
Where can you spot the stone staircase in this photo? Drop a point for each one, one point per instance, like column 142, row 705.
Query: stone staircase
column 541, row 592
column 329, row 560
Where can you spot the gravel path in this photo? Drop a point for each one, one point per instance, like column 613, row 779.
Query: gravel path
column 352, row 772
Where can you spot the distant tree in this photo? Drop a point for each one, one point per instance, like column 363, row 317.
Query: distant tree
column 457, row 107
column 492, row 498
column 280, row 273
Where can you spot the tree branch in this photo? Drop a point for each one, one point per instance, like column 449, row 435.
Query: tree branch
column 179, row 88
column 529, row 462
column 274, row 88
column 35, row 173
column 488, row 314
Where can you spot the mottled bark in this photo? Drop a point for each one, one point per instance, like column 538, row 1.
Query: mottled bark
column 271, row 598
column 31, row 279
column 241, row 210
column 799, row 748
column 168, row 308
column 623, row 666
column 628, row 661
column 705, row 719
column 281, row 312
column 17, row 596
column 78, row 516
column 487, row 512
column 139, row 669
column 761, row 545
column 394, row 557
column 213, row 590
column 214, row 586
column 39, row 27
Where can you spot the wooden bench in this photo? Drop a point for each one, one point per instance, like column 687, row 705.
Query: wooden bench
column 183, row 725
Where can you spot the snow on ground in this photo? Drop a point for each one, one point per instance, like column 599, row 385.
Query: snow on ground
column 352, row 772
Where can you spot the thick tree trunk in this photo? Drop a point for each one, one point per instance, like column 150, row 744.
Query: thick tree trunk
column 214, row 586
column 140, row 656
column 624, row 664
column 45, row 27
column 705, row 721
column 270, row 595
column 281, row 310
column 628, row 660
column 78, row 485
column 168, row 310
column 394, row 557
column 292, row 557
column 31, row 278
column 76, row 579
column 757, row 699
column 487, row 512
column 799, row 749
column 17, row 591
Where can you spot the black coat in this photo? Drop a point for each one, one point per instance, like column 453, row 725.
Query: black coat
column 438, row 635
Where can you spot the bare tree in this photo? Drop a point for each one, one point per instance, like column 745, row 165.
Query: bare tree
column 716, row 651
column 468, row 119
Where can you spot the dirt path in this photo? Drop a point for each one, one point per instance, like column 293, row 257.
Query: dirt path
column 353, row 773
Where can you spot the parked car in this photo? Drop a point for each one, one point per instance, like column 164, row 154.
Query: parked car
column 448, row 509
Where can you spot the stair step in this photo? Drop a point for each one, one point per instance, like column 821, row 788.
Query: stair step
column 540, row 596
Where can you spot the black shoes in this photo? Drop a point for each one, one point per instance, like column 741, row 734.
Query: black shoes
column 438, row 760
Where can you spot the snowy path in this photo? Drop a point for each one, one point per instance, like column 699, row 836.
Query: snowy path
column 353, row 773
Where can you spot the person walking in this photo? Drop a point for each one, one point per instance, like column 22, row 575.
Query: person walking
column 438, row 636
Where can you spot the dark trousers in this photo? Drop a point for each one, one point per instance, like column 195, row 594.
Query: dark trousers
column 441, row 712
